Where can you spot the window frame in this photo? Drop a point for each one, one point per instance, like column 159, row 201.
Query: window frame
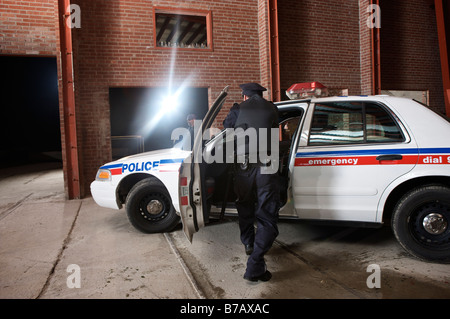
column 190, row 12
column 393, row 117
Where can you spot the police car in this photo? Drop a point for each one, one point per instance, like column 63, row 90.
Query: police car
column 362, row 160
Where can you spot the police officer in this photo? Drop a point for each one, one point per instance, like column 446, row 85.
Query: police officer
column 232, row 116
column 188, row 139
column 191, row 120
column 257, row 192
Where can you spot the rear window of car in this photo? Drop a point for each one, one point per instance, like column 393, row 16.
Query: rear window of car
column 353, row 123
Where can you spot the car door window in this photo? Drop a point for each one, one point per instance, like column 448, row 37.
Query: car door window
column 337, row 123
column 352, row 123
column 380, row 125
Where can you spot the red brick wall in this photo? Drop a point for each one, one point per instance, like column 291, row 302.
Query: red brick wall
column 28, row 27
column 114, row 48
column 365, row 41
column 331, row 43
column 264, row 47
column 320, row 41
column 410, row 49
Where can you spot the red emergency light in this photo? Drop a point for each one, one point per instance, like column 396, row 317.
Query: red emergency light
column 305, row 90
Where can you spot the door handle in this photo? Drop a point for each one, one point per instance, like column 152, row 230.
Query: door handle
column 390, row 157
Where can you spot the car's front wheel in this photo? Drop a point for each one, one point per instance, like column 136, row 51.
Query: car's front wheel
column 149, row 207
column 421, row 222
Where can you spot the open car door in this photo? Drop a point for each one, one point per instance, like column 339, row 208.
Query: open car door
column 191, row 183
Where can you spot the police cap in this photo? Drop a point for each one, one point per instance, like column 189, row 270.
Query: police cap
column 250, row 89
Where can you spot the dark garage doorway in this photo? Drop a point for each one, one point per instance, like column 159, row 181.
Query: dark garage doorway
column 31, row 131
column 141, row 121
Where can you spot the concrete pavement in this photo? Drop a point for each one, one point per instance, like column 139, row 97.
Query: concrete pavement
column 52, row 248
column 43, row 238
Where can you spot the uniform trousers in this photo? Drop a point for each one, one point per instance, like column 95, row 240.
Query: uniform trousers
column 258, row 200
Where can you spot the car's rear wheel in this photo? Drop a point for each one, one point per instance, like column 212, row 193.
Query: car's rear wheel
column 149, row 207
column 421, row 222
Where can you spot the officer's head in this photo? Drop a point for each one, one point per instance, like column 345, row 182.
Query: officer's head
column 190, row 119
column 250, row 89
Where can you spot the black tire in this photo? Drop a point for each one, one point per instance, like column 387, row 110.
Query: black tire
column 421, row 223
column 149, row 207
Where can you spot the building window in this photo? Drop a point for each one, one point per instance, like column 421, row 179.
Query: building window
column 182, row 28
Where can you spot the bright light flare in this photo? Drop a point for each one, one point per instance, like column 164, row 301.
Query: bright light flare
column 169, row 103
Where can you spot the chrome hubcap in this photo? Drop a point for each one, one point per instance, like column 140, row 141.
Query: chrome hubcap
column 154, row 207
column 435, row 224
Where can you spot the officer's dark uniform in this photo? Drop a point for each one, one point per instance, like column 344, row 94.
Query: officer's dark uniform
column 257, row 193
column 232, row 116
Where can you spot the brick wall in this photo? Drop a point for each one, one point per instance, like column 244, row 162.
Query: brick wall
column 320, row 41
column 365, row 43
column 410, row 49
column 264, row 47
column 28, row 27
column 114, row 48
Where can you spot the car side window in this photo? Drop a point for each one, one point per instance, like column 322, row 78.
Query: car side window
column 380, row 125
column 352, row 123
column 337, row 123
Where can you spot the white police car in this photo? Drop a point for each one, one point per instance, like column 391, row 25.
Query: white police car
column 364, row 160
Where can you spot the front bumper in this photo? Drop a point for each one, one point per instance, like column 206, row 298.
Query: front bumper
column 104, row 194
